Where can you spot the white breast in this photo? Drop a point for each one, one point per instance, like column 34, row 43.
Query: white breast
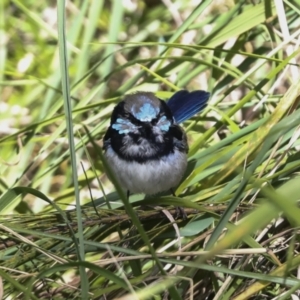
column 150, row 177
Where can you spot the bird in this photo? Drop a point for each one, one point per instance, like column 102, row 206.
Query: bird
column 145, row 146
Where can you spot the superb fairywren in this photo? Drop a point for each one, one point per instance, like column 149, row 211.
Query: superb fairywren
column 145, row 146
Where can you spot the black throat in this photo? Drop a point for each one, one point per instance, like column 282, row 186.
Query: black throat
column 172, row 140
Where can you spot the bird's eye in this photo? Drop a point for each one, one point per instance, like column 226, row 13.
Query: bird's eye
column 154, row 121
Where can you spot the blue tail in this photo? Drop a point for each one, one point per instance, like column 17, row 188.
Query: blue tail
column 184, row 104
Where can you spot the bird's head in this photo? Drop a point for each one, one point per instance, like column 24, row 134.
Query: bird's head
column 142, row 113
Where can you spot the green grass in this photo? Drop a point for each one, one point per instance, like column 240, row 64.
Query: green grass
column 67, row 232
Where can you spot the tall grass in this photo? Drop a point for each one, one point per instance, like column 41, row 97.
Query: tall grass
column 67, row 232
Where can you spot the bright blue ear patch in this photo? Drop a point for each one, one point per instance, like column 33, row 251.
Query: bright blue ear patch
column 146, row 112
column 124, row 126
column 163, row 124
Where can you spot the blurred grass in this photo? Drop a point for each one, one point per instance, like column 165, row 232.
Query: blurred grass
column 240, row 192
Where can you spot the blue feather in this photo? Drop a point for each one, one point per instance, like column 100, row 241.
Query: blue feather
column 184, row 104
column 146, row 112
